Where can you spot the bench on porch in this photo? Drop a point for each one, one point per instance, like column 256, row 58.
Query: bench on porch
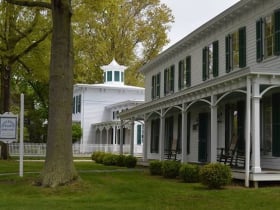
column 171, row 153
column 232, row 156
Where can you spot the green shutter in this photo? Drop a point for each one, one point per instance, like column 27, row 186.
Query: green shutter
column 188, row 71
column 277, row 32
column 139, row 134
column 204, row 63
column 276, row 125
column 158, row 85
column 180, row 75
column 259, row 40
column 228, row 54
column 153, row 87
column 242, row 47
column 171, row 79
column 216, row 58
column 165, row 80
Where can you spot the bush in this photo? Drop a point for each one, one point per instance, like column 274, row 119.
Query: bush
column 189, row 173
column 109, row 159
column 120, row 160
column 215, row 175
column 98, row 156
column 130, row 161
column 155, row 167
column 170, row 169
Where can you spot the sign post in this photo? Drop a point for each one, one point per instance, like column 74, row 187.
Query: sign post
column 21, row 149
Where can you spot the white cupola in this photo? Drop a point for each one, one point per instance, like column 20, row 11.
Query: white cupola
column 114, row 73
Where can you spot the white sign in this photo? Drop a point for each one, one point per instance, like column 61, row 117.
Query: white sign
column 8, row 127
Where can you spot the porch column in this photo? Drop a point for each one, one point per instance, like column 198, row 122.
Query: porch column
column 114, row 134
column 161, row 136
column 107, row 139
column 214, row 129
column 100, row 138
column 145, row 140
column 184, row 135
column 132, row 136
column 248, row 133
column 121, row 138
column 256, row 167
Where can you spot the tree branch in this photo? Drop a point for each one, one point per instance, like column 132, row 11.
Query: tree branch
column 33, row 45
column 27, row 3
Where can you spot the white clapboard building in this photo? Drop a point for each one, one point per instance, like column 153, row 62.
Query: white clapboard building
column 218, row 89
column 97, row 106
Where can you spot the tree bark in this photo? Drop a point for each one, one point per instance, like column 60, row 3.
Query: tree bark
column 5, row 87
column 59, row 167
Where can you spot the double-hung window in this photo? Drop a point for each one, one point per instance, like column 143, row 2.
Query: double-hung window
column 210, row 61
column 268, row 36
column 169, row 80
column 155, row 86
column 236, row 49
column 184, row 79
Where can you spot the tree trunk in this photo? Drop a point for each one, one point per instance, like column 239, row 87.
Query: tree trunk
column 59, row 167
column 5, row 102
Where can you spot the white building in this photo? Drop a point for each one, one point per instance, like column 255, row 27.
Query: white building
column 219, row 84
column 97, row 106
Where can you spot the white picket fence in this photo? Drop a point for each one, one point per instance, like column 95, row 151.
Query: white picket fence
column 39, row 149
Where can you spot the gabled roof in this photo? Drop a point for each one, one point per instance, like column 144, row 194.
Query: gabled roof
column 213, row 24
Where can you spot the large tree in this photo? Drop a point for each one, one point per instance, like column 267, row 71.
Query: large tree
column 21, row 31
column 131, row 31
column 59, row 168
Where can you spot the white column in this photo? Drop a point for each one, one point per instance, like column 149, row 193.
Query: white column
column 101, row 140
column 161, row 136
column 184, row 135
column 121, row 137
column 145, row 140
column 256, row 168
column 114, row 134
column 132, row 137
column 107, row 140
column 214, row 129
column 248, row 132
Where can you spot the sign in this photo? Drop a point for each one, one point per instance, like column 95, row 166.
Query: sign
column 8, row 127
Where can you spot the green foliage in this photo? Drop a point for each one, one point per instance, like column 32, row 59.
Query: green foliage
column 130, row 161
column 109, row 159
column 215, row 175
column 170, row 168
column 98, row 156
column 132, row 32
column 155, row 167
column 120, row 160
column 76, row 132
column 189, row 172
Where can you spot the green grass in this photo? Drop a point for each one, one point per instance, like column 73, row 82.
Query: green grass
column 125, row 190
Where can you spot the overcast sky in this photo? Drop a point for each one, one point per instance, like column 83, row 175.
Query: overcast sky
column 190, row 14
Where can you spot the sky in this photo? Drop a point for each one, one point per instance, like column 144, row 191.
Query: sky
column 190, row 14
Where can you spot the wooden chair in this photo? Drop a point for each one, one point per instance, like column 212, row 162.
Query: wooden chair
column 172, row 152
column 227, row 156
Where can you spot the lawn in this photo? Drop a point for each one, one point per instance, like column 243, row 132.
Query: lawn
column 103, row 189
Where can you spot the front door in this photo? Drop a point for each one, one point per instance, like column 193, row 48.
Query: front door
column 203, row 136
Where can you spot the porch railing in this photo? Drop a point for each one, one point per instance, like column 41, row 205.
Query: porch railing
column 39, row 149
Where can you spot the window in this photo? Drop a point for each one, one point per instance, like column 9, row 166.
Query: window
column 156, row 86
column 236, row 50
column 169, row 80
column 109, row 76
column 184, row 79
column 117, row 76
column 76, row 108
column 268, row 36
column 73, row 105
column 155, row 135
column 210, row 60
column 139, row 134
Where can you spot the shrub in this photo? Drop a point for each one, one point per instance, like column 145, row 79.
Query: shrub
column 96, row 154
column 130, row 161
column 189, row 172
column 109, row 159
column 120, row 160
column 155, row 167
column 99, row 157
column 170, row 169
column 215, row 175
